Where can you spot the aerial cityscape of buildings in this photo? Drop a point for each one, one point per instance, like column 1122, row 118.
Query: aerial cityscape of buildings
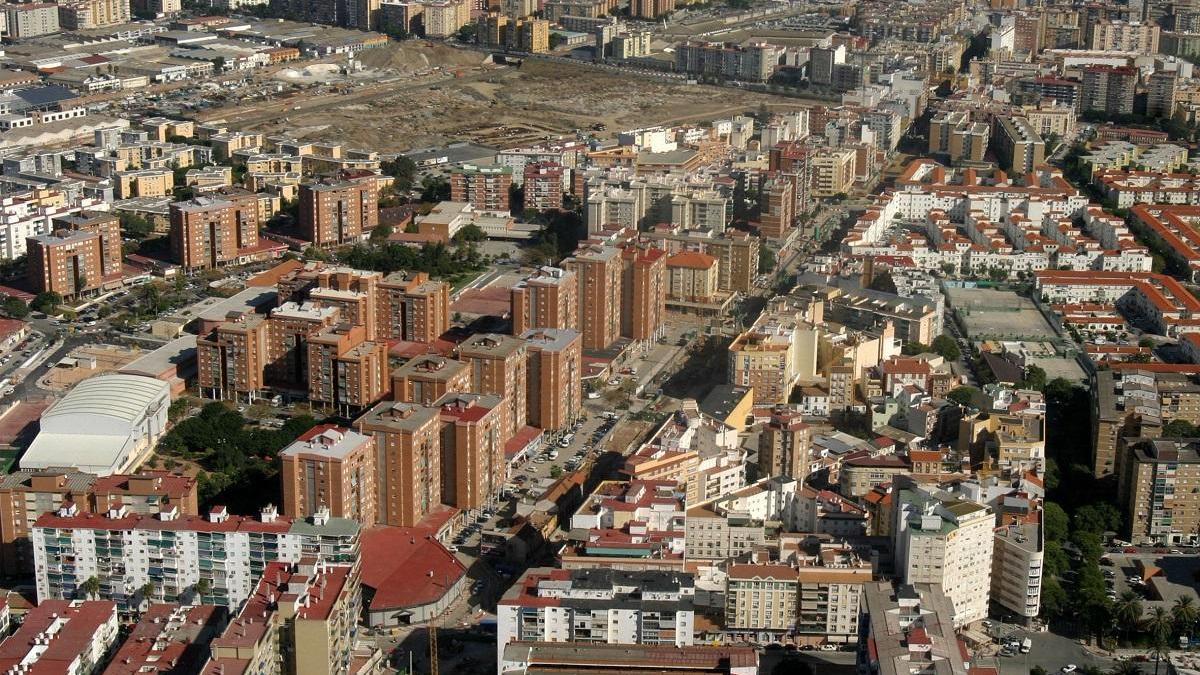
column 349, row 338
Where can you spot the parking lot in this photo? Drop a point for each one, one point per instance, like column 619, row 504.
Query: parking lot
column 1052, row 652
column 1178, row 570
column 528, row 478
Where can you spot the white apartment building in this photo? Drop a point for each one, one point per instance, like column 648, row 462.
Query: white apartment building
column 1017, row 568
column 769, row 499
column 613, row 209
column 945, row 541
column 1126, row 36
column 173, row 553
column 597, row 606
column 1019, row 544
column 787, row 127
column 701, row 210
column 738, row 522
column 32, row 214
column 911, row 630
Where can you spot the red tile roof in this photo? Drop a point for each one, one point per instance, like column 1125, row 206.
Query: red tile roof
column 158, row 644
column 692, row 260
column 522, row 438
column 96, row 521
column 406, row 567
column 79, row 623
column 10, row 326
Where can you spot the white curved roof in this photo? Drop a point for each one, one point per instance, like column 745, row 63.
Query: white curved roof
column 101, row 426
column 124, row 397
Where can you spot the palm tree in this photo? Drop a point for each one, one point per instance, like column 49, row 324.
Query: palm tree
column 1127, row 610
column 1185, row 613
column 90, row 587
column 1159, row 625
column 147, row 592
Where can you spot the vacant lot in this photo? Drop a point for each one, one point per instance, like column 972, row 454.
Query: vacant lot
column 415, row 95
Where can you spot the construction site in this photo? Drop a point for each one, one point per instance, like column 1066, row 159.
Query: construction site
column 419, row 94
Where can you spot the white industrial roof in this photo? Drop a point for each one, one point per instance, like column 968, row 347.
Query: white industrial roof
column 125, row 397
column 101, row 425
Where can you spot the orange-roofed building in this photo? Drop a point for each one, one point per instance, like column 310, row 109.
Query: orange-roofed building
column 693, row 277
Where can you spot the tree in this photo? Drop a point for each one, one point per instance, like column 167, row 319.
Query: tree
column 556, row 471
column 1146, row 342
column 1179, row 429
column 1035, row 378
column 467, row 33
column 1097, row 518
column 1055, row 522
column 556, row 39
column 946, row 347
column 1054, row 599
column 16, row 307
column 1037, row 670
column 152, row 297
column 178, row 407
column 1159, row 625
column 435, row 189
column 46, row 302
column 381, row 233
column 766, row 260
column 1056, row 560
column 147, row 590
column 883, row 283
column 1184, row 613
column 90, row 587
column 962, row 395
column 469, row 232
column 1125, row 668
column 1127, row 610
column 315, row 253
column 203, row 587
column 403, row 172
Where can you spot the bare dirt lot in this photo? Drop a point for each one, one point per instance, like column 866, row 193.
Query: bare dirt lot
column 428, row 94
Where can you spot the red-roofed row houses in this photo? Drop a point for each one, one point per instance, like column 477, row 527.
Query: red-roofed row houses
column 1154, row 300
